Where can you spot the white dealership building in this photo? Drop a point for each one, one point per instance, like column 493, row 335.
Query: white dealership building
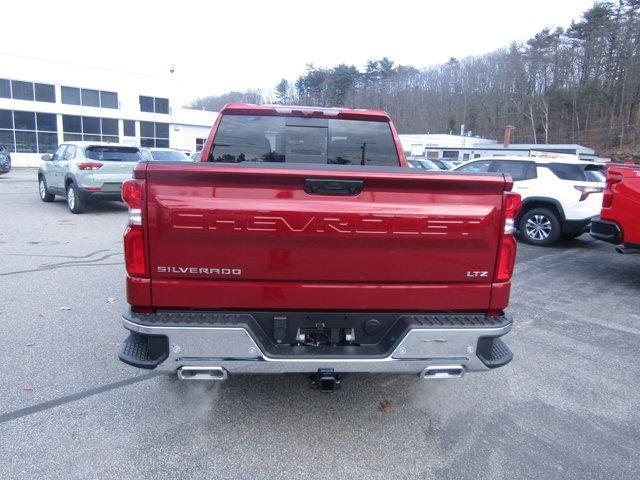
column 467, row 147
column 44, row 103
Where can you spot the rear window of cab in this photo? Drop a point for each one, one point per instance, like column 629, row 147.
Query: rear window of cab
column 244, row 138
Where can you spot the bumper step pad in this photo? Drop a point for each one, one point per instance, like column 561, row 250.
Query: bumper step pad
column 144, row 351
column 493, row 352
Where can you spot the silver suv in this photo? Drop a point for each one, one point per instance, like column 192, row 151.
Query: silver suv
column 86, row 171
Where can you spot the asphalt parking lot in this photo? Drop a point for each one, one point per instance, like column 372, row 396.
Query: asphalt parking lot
column 566, row 407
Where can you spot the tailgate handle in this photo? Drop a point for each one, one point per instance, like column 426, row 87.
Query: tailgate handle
column 321, row 186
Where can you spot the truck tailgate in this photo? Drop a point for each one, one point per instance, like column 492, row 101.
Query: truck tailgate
column 248, row 237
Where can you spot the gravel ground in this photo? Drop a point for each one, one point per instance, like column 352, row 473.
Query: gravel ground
column 566, row 407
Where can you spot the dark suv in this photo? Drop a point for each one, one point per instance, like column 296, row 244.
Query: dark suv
column 5, row 160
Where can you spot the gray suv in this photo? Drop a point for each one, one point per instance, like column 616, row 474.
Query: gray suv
column 85, row 171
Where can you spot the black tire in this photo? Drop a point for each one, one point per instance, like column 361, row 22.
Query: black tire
column 43, row 191
column 74, row 201
column 540, row 226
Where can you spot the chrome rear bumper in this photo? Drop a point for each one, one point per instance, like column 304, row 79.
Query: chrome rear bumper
column 234, row 350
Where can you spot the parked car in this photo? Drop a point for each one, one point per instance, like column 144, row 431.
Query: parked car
column 560, row 195
column 5, row 160
column 86, row 171
column 443, row 163
column 306, row 245
column 422, row 163
column 164, row 155
column 619, row 221
column 195, row 156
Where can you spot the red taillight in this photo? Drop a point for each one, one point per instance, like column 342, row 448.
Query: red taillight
column 90, row 165
column 134, row 256
column 612, row 178
column 507, row 248
column 134, row 245
column 133, row 193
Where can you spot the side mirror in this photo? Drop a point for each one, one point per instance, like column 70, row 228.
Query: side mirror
column 46, row 157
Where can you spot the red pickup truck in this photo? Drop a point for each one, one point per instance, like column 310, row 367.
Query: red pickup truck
column 301, row 242
column 619, row 221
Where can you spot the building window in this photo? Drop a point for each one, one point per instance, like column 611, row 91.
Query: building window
column 28, row 132
column 5, row 88
column 72, row 124
column 41, row 92
column 110, row 126
column 154, row 105
column 129, row 128
column 45, row 93
column 6, row 119
column 46, row 122
column 154, row 134
column 146, row 104
column 70, row 95
column 47, row 142
column 451, row 154
column 91, row 125
column 6, row 139
column 89, row 98
column 200, row 143
column 108, row 100
column 21, row 90
column 24, row 120
column 91, row 129
column 162, row 105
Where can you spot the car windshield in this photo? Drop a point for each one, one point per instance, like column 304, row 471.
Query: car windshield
column 243, row 138
column 169, row 155
column 113, row 154
column 577, row 172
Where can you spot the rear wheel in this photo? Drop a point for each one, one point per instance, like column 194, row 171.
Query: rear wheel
column 45, row 196
column 540, row 226
column 74, row 201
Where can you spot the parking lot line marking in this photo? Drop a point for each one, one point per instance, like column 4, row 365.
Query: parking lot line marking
column 54, row 256
column 71, row 263
column 39, row 407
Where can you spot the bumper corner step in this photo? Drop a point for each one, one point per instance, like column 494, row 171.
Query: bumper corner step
column 144, row 351
column 493, row 352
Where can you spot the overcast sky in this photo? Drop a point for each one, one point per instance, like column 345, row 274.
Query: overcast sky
column 218, row 46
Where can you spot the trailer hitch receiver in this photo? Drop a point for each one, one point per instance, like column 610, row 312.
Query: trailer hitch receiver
column 325, row 380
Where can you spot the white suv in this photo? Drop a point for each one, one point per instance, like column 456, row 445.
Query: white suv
column 560, row 195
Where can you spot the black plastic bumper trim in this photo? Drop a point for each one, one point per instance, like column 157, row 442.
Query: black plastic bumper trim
column 606, row 231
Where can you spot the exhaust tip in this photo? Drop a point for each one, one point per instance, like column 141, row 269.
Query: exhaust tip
column 442, row 372
column 202, row 373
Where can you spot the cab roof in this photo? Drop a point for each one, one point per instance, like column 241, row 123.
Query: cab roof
column 304, row 111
